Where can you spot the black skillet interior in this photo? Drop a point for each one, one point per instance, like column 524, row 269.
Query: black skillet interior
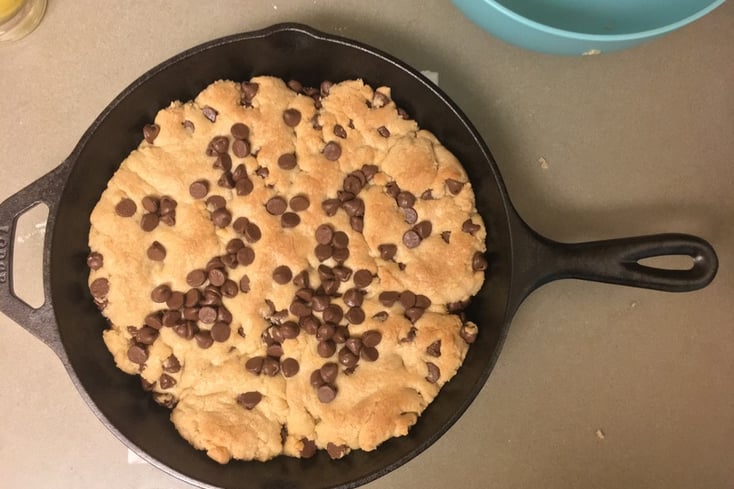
column 291, row 52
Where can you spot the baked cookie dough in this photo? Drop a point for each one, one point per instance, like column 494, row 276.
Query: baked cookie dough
column 284, row 267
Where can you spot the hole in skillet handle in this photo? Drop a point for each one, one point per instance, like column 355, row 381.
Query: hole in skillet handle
column 39, row 321
column 640, row 261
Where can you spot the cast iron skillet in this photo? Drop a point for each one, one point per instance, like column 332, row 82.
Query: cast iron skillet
column 520, row 260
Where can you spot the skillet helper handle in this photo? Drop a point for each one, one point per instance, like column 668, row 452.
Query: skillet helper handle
column 616, row 261
column 40, row 321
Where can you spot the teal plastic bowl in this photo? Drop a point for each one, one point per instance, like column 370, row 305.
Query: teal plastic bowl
column 573, row 27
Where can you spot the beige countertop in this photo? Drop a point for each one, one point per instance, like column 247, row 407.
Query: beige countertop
column 598, row 386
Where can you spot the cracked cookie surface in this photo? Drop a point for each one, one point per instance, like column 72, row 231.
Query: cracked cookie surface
column 283, row 267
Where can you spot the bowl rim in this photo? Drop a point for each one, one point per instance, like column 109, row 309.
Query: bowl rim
column 602, row 37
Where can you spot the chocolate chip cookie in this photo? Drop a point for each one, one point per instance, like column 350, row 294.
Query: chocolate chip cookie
column 285, row 266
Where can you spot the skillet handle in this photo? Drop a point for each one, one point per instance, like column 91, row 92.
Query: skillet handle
column 615, row 261
column 41, row 321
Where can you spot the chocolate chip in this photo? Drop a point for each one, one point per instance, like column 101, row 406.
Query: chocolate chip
column 192, row 297
column 289, row 330
column 282, row 274
column 249, row 400
column 150, row 132
column 186, row 329
column 340, row 132
column 151, row 203
column 171, row 364
column 244, row 186
column 245, row 256
column 215, row 202
column 422, row 301
column 433, row 372
column 326, row 331
column 469, row 227
column 423, row 229
column 287, row 161
column 224, row 315
column 355, row 315
column 340, row 239
column 226, row 180
column 353, row 298
column 371, row 338
column 308, row 448
column 189, row 125
column 156, row 251
column 254, row 365
column 291, row 117
column 95, row 260
column 220, row 145
column 410, row 215
column 220, row 332
column 171, row 318
column 301, row 279
column 325, row 87
column 392, row 189
column 362, row 278
column 154, row 320
column 196, row 278
column 252, row 232
column 336, row 451
column 354, row 345
column 410, row 336
column 387, row 251
column 276, row 205
column 309, row 324
column 217, row 276
column 407, row 299
column 275, row 350
column 331, row 206
column 199, row 189
column 323, row 252
column 245, row 284
column 411, row 239
column 319, row 303
column 239, row 173
column 271, row 366
column 166, row 381
column 380, row 316
column 347, row 357
column 326, row 348
column 229, row 289
column 354, row 207
column 299, row 203
column 446, row 236
column 324, row 235
column 388, row 298
column 454, row 186
column 175, row 300
column 289, row 220
column 352, row 184
column 207, row 315
column 383, row 131
column 341, row 273
column 479, row 262
column 126, row 208
column 161, row 293
column 241, row 148
column 333, row 313
column 249, row 90
column 434, row 349
column 221, row 217
column 204, row 339
column 240, row 224
column 357, row 223
column 328, row 373
column 239, row 131
column 332, row 151
column 149, row 222
column 295, row 85
column 191, row 313
column 326, row 393
column 330, row 287
column 289, row 367
column 210, row 113
column 99, row 288
column 369, row 353
column 137, row 354
column 468, row 332
column 379, row 99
